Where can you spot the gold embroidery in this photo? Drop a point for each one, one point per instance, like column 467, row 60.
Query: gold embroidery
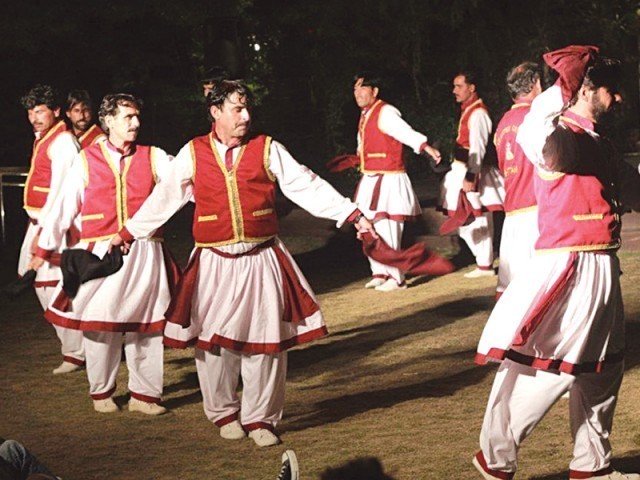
column 549, row 176
column 92, row 216
column 36, row 188
column 588, row 216
column 36, row 149
column 207, row 218
column 259, row 213
column 267, row 161
column 376, row 155
column 532, row 208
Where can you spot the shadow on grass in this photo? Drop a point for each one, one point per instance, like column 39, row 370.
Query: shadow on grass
column 348, row 346
column 630, row 464
column 337, row 409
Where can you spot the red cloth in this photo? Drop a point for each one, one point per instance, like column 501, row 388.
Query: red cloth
column 342, row 162
column 535, row 317
column 571, row 64
column 463, row 216
column 228, row 159
column 298, row 303
column 415, row 260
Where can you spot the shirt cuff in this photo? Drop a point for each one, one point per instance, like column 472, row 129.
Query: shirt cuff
column 43, row 253
column 352, row 218
column 126, row 235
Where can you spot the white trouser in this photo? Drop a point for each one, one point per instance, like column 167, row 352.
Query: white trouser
column 479, row 237
column 71, row 341
column 522, row 395
column 391, row 232
column 263, row 380
column 144, row 353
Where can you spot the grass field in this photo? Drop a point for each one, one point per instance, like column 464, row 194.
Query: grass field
column 394, row 380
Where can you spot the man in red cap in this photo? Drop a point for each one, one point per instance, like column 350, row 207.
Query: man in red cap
column 520, row 228
column 242, row 301
column 471, row 174
column 54, row 149
column 560, row 328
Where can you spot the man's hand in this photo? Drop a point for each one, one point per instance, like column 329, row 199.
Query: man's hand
column 118, row 242
column 363, row 225
column 36, row 263
column 34, row 243
column 434, row 153
column 468, row 186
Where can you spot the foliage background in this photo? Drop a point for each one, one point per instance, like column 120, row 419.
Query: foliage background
column 309, row 52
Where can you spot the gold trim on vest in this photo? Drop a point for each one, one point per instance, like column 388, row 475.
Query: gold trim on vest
column 93, row 216
column 588, row 216
column 207, row 218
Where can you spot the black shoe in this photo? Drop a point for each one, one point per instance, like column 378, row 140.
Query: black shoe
column 289, row 469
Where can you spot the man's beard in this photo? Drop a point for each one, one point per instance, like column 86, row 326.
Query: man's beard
column 601, row 113
column 82, row 125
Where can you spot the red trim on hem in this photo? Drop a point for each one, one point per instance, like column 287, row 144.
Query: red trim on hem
column 394, row 217
column 577, row 474
column 548, row 363
column 261, row 348
column 487, row 268
column 351, row 218
column 145, row 398
column 105, row 395
column 498, row 295
column 180, row 344
column 495, row 473
column 73, row 360
column 101, row 326
column 46, row 283
column 249, row 427
column 226, row 420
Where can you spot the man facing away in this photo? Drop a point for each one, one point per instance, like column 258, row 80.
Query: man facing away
column 471, row 175
column 384, row 193
column 560, row 328
column 54, row 149
column 107, row 184
column 80, row 115
column 520, row 228
column 249, row 303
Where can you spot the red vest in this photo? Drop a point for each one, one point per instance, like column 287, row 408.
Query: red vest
column 577, row 212
column 93, row 135
column 111, row 197
column 36, row 188
column 516, row 168
column 462, row 140
column 379, row 152
column 237, row 205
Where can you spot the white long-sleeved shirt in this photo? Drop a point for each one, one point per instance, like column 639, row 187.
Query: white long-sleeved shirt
column 390, row 122
column 62, row 152
column 297, row 182
column 539, row 123
column 68, row 205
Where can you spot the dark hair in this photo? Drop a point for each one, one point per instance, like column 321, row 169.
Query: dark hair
column 111, row 102
column 78, row 96
column 522, row 78
column 223, row 89
column 369, row 79
column 605, row 72
column 471, row 76
column 41, row 95
column 214, row 75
